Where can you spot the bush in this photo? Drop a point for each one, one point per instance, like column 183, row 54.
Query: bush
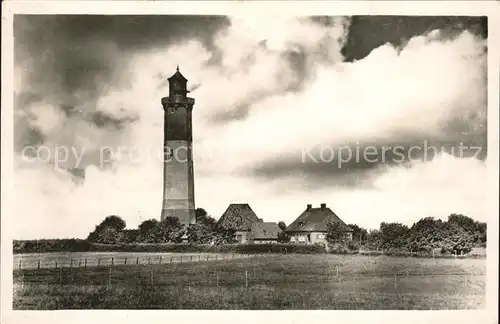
column 58, row 245
column 348, row 247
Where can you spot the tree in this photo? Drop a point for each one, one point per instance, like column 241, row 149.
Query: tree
column 115, row 222
column 109, row 235
column 426, row 235
column 130, row 235
column 283, row 237
column 224, row 236
column 282, row 225
column 200, row 214
column 475, row 229
column 148, row 231
column 109, row 231
column 467, row 223
column 204, row 230
column 374, row 240
column 170, row 230
column 480, row 235
column 457, row 240
column 359, row 234
column 393, row 234
column 334, row 233
column 200, row 233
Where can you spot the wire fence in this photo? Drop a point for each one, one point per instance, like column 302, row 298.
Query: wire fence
column 31, row 262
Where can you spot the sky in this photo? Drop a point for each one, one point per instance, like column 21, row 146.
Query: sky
column 383, row 118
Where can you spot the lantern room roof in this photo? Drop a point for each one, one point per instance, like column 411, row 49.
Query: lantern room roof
column 177, row 76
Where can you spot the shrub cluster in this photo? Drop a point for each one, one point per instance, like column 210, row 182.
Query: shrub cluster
column 429, row 236
column 56, row 245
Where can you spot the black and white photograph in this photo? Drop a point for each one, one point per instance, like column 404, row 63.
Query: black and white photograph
column 249, row 160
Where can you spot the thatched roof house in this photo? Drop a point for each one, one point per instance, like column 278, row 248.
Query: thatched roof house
column 311, row 225
column 239, row 217
column 264, row 232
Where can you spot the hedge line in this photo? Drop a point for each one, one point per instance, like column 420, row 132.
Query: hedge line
column 55, row 245
column 76, row 245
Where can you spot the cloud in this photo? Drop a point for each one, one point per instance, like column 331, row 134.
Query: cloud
column 264, row 91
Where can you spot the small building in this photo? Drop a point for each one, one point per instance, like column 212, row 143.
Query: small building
column 239, row 217
column 311, row 226
column 264, row 233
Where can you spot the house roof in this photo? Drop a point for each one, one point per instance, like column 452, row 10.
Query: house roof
column 316, row 220
column 238, row 217
column 264, row 231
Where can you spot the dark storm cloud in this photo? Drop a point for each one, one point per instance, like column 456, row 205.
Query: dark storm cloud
column 101, row 120
column 369, row 32
column 69, row 61
column 83, row 53
column 354, row 163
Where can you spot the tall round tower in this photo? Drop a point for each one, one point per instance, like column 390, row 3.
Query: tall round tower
column 178, row 175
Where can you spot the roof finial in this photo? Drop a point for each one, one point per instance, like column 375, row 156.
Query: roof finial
column 177, row 68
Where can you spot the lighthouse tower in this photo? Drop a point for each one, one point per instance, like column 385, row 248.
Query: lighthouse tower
column 178, row 176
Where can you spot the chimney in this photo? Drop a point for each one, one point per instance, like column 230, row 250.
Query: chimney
column 309, row 206
column 323, row 206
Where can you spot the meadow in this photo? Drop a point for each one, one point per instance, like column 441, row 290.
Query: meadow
column 293, row 281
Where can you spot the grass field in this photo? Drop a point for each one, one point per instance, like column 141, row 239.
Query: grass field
column 260, row 282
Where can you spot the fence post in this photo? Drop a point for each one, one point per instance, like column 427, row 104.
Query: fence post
column 171, row 259
column 56, row 265
column 79, row 263
column 181, row 259
column 191, row 258
column 160, row 259
column 20, row 265
column 208, row 256
column 151, row 278
column 60, row 277
column 98, row 262
column 217, row 275
column 395, row 280
column 85, row 263
column 112, row 261
column 71, row 263
column 125, row 261
column 109, row 277
column 137, row 260
column 246, row 278
column 38, row 265
column 199, row 258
